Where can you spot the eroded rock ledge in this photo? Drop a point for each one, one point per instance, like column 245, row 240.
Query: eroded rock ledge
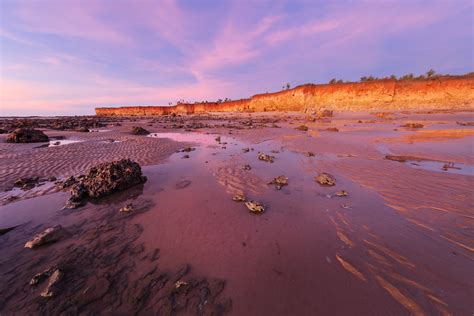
column 450, row 92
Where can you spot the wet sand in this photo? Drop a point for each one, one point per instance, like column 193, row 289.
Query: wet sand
column 400, row 243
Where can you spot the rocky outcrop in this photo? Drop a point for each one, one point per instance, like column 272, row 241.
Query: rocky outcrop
column 448, row 92
column 105, row 179
column 27, row 135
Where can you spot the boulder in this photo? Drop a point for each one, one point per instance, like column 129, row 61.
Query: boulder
column 105, row 179
column 27, row 135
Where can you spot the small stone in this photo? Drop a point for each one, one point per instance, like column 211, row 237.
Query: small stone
column 246, row 167
column 279, row 182
column 180, row 284
column 310, row 154
column 52, row 289
column 264, row 157
column 187, row 149
column 325, row 179
column 255, row 207
column 238, row 198
column 218, row 139
column 185, row 157
column 127, row 208
column 50, row 235
column 303, row 128
column 345, row 206
column 332, row 129
column 341, row 193
column 413, row 125
column 245, row 150
column 137, row 130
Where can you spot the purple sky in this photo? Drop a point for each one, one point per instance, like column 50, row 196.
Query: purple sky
column 68, row 56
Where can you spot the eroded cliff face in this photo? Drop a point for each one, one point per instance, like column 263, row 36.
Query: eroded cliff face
column 439, row 93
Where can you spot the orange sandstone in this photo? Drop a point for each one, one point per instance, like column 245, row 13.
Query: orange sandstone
column 449, row 92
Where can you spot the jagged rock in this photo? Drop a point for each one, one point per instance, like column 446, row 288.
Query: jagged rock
column 238, row 198
column 279, row 182
column 50, row 235
column 105, row 179
column 341, row 193
column 325, row 179
column 265, row 157
column 27, row 135
column 137, row 130
column 255, row 207
column 53, row 286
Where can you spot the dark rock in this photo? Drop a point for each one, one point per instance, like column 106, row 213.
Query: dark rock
column 303, row 128
column 3, row 231
column 27, row 135
column 82, row 129
column 279, row 182
column 332, row 129
column 137, row 130
column 105, row 179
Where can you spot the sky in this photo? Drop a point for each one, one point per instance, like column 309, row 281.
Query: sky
column 66, row 57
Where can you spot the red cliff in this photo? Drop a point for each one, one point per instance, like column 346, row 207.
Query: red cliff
column 438, row 93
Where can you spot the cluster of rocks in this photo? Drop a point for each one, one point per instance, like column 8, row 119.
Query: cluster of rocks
column 104, row 179
column 27, row 135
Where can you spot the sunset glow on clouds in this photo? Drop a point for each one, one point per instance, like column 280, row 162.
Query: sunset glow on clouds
column 68, row 56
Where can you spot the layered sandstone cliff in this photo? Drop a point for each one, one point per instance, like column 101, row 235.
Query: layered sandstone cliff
column 438, row 93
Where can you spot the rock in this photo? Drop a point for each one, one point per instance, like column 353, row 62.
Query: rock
column 26, row 183
column 187, row 149
column 185, row 157
column 180, row 284
column 182, row 184
column 341, row 193
column 110, row 177
column 3, row 131
column 245, row 150
column 310, row 154
column 255, row 207
column 413, row 125
column 218, row 139
column 50, row 235
column 137, row 130
column 332, row 129
column 246, row 167
column 105, row 179
column 27, row 135
column 325, row 113
column 303, row 128
column 53, row 286
column 279, row 182
column 396, row 158
column 238, row 198
column 68, row 182
column 325, row 179
column 40, row 277
column 82, row 129
column 127, row 208
column 264, row 157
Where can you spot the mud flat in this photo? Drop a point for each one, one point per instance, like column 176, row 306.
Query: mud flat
column 385, row 236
